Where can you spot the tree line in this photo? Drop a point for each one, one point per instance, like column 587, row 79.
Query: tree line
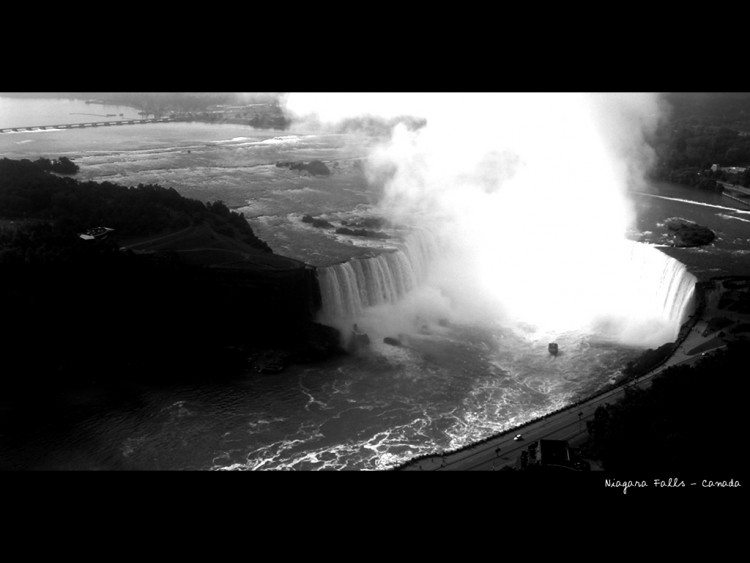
column 689, row 421
column 704, row 130
column 50, row 211
column 687, row 156
column 83, row 310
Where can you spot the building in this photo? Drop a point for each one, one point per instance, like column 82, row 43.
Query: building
column 729, row 169
column 550, row 455
column 553, row 452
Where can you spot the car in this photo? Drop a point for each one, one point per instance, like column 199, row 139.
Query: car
column 518, row 437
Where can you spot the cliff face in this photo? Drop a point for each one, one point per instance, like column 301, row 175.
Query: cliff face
column 133, row 317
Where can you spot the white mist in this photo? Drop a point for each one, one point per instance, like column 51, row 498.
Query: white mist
column 526, row 194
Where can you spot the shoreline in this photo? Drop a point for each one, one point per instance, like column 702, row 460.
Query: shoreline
column 501, row 451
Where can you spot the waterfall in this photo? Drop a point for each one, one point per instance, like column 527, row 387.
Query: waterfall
column 665, row 284
column 638, row 296
column 348, row 288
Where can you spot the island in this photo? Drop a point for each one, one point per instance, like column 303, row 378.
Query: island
column 680, row 233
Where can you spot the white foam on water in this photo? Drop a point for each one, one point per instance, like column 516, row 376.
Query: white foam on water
column 724, row 216
column 284, row 139
column 699, row 203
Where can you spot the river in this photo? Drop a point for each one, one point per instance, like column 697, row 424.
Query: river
column 449, row 386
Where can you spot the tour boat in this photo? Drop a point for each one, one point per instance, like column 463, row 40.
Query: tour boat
column 96, row 233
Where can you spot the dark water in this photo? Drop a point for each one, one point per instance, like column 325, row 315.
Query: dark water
column 446, row 387
column 729, row 254
column 366, row 412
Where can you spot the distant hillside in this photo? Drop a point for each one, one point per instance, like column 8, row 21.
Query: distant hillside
column 725, row 109
column 159, row 102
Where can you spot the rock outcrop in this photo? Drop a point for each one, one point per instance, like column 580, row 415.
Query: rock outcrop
column 686, row 233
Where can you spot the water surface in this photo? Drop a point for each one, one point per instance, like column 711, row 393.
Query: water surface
column 444, row 388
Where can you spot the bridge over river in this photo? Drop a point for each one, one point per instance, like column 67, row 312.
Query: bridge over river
column 89, row 124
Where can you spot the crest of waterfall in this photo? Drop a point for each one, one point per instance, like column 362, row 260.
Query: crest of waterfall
column 665, row 283
column 650, row 299
column 348, row 288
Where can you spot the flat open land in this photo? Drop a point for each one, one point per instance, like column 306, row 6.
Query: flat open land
column 202, row 246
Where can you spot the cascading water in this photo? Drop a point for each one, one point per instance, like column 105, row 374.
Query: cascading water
column 348, row 288
column 664, row 284
column 645, row 302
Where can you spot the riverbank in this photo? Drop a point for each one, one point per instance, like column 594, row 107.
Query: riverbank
column 722, row 315
column 176, row 289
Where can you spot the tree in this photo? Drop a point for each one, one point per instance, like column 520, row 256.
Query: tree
column 660, row 428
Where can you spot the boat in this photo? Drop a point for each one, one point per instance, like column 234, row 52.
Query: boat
column 269, row 367
column 95, row 233
column 553, row 348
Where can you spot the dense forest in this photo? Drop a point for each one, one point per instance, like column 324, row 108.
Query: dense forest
column 83, row 310
column 687, row 422
column 703, row 130
column 48, row 205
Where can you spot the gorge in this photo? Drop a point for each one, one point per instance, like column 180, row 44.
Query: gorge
column 502, row 237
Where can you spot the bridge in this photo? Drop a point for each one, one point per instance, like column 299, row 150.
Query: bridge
column 90, row 124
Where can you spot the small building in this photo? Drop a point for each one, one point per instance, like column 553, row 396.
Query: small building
column 553, row 452
column 550, row 455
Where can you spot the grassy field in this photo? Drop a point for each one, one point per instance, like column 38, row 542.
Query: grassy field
column 203, row 246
